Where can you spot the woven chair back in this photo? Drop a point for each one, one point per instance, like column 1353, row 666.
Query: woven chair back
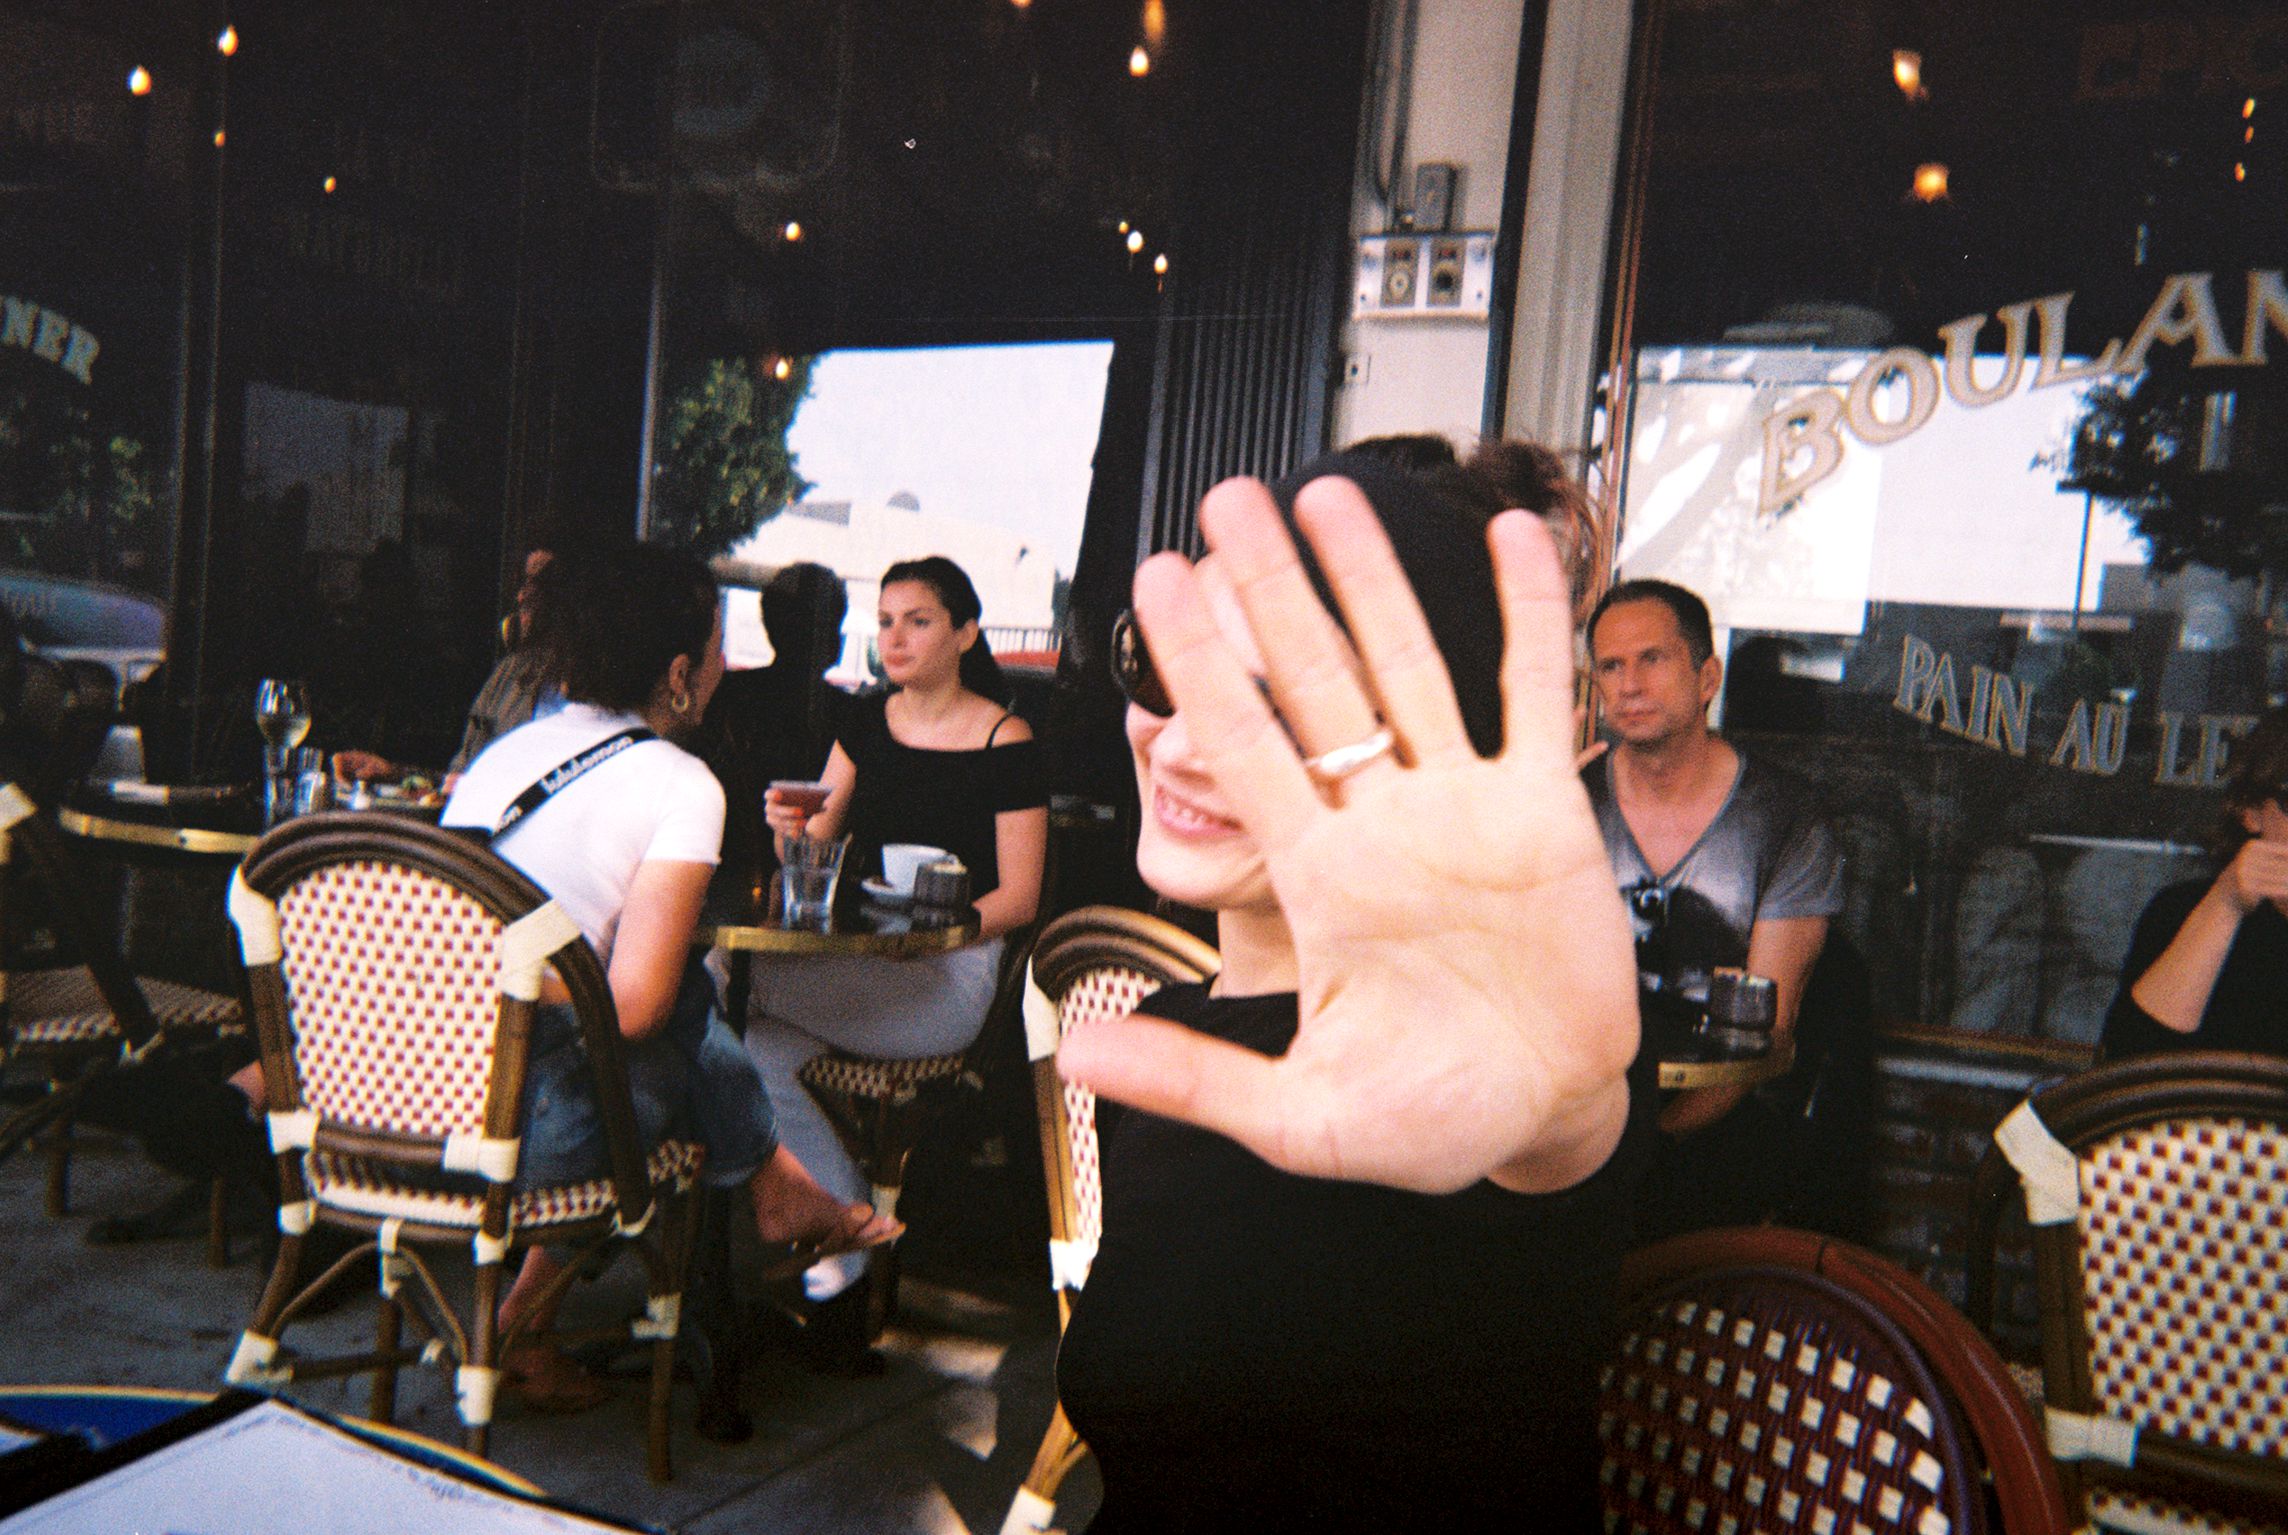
column 391, row 1023
column 2158, row 1188
column 1770, row 1380
column 1095, row 963
column 393, row 977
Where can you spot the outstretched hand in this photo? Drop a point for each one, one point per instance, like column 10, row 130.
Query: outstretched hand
column 1466, row 975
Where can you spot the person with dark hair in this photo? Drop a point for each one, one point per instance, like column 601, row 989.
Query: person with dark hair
column 2207, row 967
column 1530, row 477
column 625, row 837
column 513, row 691
column 1366, row 1194
column 1725, row 862
column 1408, row 452
column 777, row 721
column 939, row 761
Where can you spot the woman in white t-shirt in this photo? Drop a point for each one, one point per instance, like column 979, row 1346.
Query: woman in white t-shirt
column 627, row 846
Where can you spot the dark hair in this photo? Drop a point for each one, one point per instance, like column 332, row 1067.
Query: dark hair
column 980, row 673
column 803, row 609
column 1437, row 526
column 2259, row 773
column 1691, row 613
column 622, row 616
column 1413, row 452
column 1530, row 477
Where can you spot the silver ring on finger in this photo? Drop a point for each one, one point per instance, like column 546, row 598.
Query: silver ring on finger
column 1332, row 767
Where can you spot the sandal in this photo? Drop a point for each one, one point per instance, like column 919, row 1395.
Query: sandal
column 551, row 1384
column 856, row 1230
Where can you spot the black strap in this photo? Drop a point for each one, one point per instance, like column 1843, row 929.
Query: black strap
column 567, row 770
column 1006, row 716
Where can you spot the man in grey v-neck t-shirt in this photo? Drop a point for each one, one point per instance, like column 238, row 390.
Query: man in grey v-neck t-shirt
column 1724, row 862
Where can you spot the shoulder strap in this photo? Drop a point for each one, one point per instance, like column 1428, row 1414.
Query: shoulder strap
column 564, row 772
column 1006, row 716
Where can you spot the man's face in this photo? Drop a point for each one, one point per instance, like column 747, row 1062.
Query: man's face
column 1651, row 691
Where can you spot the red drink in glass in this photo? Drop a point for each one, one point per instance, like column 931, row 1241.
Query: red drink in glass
column 805, row 794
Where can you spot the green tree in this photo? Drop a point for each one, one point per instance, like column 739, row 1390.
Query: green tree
column 724, row 468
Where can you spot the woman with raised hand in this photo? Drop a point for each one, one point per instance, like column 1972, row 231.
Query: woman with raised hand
column 942, row 762
column 1365, row 1196
column 623, row 827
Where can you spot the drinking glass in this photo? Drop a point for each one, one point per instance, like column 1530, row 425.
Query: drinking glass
column 808, row 875
column 282, row 714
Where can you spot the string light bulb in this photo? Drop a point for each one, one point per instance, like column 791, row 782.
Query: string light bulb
column 218, row 138
column 227, row 43
column 2240, row 172
column 139, row 81
column 2248, row 107
column 1160, row 265
column 330, row 185
column 782, row 370
column 793, row 230
column 1124, row 226
column 1930, row 181
column 1907, row 70
column 1135, row 241
column 1139, row 62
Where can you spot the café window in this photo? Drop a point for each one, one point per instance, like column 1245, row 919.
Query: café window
column 1951, row 374
column 94, row 145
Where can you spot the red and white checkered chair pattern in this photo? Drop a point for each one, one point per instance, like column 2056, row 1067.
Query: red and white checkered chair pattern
column 1772, row 1380
column 867, row 1077
column 2158, row 1194
column 63, row 1007
column 394, row 978
column 1095, row 963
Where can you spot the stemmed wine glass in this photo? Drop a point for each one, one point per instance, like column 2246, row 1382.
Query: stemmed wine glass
column 282, row 714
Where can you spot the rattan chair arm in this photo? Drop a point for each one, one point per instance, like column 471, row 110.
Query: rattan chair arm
column 1990, row 1190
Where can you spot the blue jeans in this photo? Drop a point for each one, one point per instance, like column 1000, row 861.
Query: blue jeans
column 692, row 1076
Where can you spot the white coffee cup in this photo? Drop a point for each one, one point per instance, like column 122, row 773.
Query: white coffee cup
column 901, row 860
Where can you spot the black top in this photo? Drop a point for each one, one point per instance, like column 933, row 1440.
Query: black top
column 1261, row 1351
column 942, row 799
column 2248, row 1010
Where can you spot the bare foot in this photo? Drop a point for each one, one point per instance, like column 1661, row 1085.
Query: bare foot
column 791, row 1206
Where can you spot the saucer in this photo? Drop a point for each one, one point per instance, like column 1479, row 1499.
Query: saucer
column 886, row 894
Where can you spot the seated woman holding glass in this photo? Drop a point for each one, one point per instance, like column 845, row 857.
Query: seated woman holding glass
column 938, row 761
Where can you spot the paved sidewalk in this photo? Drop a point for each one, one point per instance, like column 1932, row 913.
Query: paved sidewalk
column 938, row 1443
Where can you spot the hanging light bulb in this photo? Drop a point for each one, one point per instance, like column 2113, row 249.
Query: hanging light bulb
column 1135, row 241
column 227, row 43
column 1139, row 62
column 139, row 81
column 1160, row 264
column 1907, row 70
column 1155, row 22
column 1124, row 226
column 1930, row 182
column 782, row 370
column 218, row 138
column 330, row 185
column 793, row 230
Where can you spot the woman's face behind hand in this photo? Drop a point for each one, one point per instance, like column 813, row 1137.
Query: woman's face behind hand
column 1191, row 848
column 918, row 639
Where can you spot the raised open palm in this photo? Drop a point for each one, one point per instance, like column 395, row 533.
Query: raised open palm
column 1467, row 980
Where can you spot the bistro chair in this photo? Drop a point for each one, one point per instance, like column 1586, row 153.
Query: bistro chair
column 880, row 1107
column 2157, row 1190
column 1096, row 962
column 71, row 1008
column 394, row 969
column 1768, row 1379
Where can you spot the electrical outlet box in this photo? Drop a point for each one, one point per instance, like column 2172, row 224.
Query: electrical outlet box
column 1417, row 276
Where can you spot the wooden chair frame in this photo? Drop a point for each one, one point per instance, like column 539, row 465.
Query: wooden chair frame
column 2082, row 1114
column 1089, row 941
column 28, row 837
column 640, row 1187
column 2013, row 1461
